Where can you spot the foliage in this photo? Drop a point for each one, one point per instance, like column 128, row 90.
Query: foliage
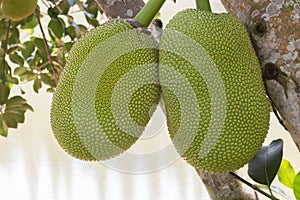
column 268, row 163
column 33, row 52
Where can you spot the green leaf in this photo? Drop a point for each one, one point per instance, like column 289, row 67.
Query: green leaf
column 286, row 173
column 39, row 43
column 15, row 100
column 30, row 23
column 37, row 85
column 20, row 70
column 64, row 7
column 17, row 104
column 13, row 118
column 50, row 90
column 56, row 28
column 12, row 80
column 3, row 127
column 28, row 49
column 48, row 80
column 28, row 76
column 14, row 36
column 92, row 21
column 296, row 186
column 15, row 58
column 4, row 91
column 53, row 12
column 264, row 165
column 70, row 31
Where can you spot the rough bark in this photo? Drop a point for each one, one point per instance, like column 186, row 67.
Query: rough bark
column 120, row 8
column 274, row 28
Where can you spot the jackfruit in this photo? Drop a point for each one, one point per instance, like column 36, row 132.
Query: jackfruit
column 107, row 91
column 217, row 110
column 16, row 10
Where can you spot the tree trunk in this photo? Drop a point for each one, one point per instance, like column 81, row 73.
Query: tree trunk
column 274, row 27
column 275, row 32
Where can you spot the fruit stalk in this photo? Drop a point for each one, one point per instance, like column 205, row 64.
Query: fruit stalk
column 203, row 5
column 148, row 12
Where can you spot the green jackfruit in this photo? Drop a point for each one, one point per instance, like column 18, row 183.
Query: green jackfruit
column 18, row 9
column 217, row 110
column 107, row 91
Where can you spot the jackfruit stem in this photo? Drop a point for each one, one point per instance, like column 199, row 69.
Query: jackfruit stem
column 203, row 5
column 148, row 12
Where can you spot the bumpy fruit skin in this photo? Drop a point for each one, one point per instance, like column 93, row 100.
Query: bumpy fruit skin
column 18, row 9
column 207, row 62
column 107, row 92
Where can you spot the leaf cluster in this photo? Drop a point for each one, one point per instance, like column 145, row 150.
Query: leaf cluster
column 32, row 51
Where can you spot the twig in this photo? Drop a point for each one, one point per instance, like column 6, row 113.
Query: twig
column 37, row 13
column 275, row 110
column 253, row 186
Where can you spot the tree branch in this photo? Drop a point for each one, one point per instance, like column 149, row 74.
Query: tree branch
column 55, row 73
column 120, row 8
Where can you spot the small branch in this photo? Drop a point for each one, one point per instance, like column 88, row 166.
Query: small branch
column 203, row 5
column 37, row 14
column 253, row 186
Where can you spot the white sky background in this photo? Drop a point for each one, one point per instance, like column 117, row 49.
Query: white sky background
column 33, row 166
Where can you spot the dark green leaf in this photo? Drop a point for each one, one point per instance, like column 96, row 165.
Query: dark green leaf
column 10, row 120
column 68, row 46
column 14, row 35
column 28, row 49
column 48, row 80
column 296, row 186
column 15, row 100
column 92, row 8
column 53, row 12
column 20, row 108
column 56, row 28
column 4, row 91
column 13, row 118
column 92, row 21
column 265, row 164
column 70, row 31
column 50, row 90
column 286, row 173
column 15, row 58
column 64, row 7
column 39, row 43
column 37, row 85
column 3, row 127
column 17, row 104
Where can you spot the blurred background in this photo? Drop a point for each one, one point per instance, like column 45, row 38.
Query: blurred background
column 34, row 167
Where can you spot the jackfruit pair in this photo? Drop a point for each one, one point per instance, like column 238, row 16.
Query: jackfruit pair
column 204, row 68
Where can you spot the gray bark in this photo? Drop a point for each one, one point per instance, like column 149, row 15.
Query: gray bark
column 275, row 31
column 274, row 27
